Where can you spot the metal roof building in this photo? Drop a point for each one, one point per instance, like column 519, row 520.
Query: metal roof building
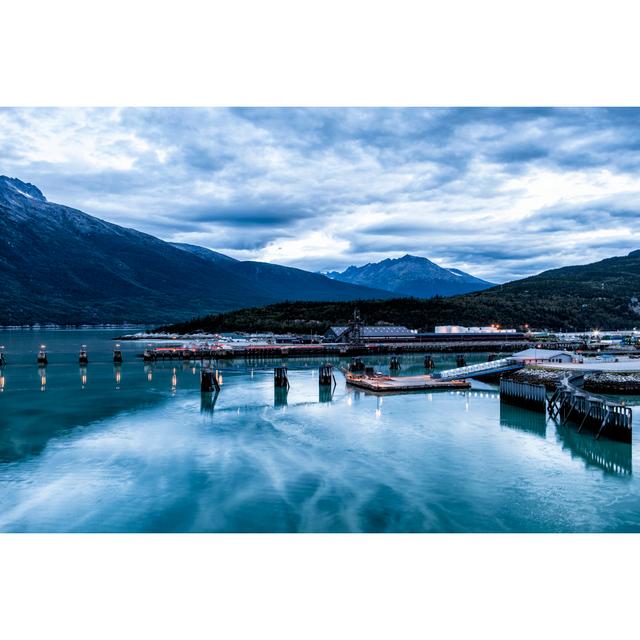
column 542, row 355
column 371, row 333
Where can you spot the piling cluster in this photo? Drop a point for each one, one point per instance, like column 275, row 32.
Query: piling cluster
column 83, row 356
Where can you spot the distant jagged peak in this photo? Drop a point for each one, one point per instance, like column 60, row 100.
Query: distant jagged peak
column 25, row 189
column 407, row 257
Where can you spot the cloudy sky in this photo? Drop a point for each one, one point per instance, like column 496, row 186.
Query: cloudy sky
column 501, row 193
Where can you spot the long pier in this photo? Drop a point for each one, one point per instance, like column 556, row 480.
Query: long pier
column 257, row 352
column 571, row 402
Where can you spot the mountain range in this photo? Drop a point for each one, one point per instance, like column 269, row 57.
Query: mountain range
column 64, row 266
column 600, row 295
column 61, row 265
column 411, row 276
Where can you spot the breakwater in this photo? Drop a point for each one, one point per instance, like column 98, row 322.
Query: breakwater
column 596, row 382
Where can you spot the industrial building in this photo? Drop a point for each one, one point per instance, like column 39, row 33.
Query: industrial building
column 479, row 330
column 363, row 333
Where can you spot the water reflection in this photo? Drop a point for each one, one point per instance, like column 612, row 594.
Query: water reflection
column 208, row 402
column 138, row 459
column 42, row 374
column 523, row 419
column 612, row 457
column 280, row 395
column 83, row 376
column 325, row 393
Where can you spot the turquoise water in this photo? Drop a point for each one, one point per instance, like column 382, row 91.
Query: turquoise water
column 135, row 448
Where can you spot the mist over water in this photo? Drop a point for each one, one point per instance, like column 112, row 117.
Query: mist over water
column 138, row 448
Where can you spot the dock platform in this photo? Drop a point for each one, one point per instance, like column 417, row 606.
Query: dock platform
column 401, row 384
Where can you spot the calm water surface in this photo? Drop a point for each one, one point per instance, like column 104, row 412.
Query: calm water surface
column 135, row 448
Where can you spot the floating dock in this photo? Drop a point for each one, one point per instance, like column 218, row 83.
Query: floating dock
column 399, row 384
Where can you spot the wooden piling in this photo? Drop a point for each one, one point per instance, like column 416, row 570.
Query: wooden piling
column 428, row 362
column 325, row 375
column 209, row 381
column 280, row 379
column 42, row 357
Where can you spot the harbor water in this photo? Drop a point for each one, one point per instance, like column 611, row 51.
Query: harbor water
column 138, row 448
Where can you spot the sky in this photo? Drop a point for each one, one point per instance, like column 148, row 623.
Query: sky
column 499, row 192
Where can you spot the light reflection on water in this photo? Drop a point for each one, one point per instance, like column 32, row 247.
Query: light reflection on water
column 136, row 447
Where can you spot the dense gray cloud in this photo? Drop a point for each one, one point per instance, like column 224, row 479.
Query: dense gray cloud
column 502, row 193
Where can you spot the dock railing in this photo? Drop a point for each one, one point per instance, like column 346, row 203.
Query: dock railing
column 480, row 368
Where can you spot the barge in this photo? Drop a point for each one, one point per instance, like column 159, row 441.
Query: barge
column 400, row 384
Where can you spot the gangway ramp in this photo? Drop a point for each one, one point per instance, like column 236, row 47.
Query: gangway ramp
column 478, row 370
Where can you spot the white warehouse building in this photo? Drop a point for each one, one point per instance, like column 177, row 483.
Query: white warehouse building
column 540, row 356
column 452, row 328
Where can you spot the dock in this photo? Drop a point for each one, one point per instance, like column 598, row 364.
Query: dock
column 402, row 384
column 610, row 419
